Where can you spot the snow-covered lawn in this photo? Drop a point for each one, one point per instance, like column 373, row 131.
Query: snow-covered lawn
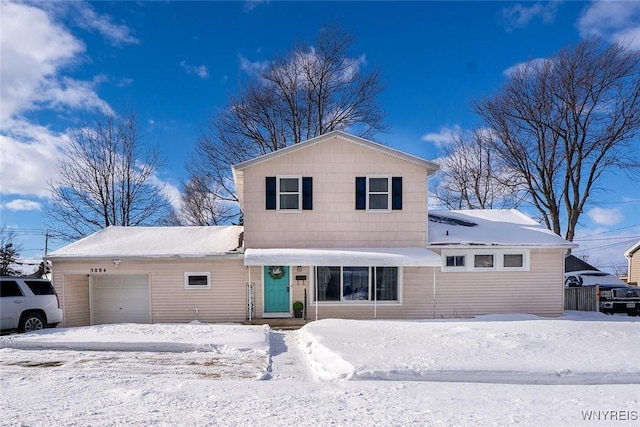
column 494, row 370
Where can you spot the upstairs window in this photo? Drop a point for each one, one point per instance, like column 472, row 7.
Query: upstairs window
column 378, row 193
column 289, row 193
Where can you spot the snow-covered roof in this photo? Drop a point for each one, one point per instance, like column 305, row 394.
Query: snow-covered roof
column 629, row 252
column 153, row 242
column 380, row 257
column 503, row 227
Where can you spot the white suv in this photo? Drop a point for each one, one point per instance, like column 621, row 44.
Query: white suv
column 28, row 304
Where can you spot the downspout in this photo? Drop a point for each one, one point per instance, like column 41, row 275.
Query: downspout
column 315, row 290
column 250, row 296
column 375, row 293
column 434, row 292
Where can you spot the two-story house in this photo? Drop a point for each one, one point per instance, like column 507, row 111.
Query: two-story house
column 337, row 222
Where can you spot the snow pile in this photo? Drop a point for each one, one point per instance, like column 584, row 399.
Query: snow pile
column 495, row 349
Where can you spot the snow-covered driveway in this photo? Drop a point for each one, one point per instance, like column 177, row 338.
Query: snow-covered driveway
column 331, row 372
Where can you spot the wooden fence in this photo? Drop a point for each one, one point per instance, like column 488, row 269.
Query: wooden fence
column 584, row 298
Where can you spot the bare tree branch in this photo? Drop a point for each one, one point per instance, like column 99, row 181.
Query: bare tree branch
column 310, row 91
column 105, row 179
column 564, row 123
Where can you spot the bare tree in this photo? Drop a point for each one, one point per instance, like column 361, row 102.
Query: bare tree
column 201, row 207
column 310, row 91
column 471, row 175
column 9, row 253
column 105, row 178
column 563, row 123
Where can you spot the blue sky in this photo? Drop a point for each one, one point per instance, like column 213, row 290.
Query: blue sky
column 175, row 63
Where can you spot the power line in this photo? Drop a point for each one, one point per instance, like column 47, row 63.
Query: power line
column 610, row 231
column 607, row 238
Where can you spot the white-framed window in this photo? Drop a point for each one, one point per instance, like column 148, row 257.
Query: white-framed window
column 517, row 261
column 485, row 260
column 357, row 284
column 289, row 193
column 197, row 280
column 455, row 261
column 378, row 193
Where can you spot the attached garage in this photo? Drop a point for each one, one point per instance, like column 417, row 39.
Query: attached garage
column 120, row 299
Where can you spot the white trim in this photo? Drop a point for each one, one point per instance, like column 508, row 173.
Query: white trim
column 372, row 302
column 350, row 257
column 498, row 259
column 187, row 274
column 369, row 193
column 299, row 178
column 271, row 314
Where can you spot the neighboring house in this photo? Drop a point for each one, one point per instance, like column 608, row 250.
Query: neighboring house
column 633, row 254
column 338, row 222
column 580, row 273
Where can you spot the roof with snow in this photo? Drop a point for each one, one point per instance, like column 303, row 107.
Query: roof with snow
column 153, row 242
column 489, row 227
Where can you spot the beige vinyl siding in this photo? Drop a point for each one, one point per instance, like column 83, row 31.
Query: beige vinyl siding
column 170, row 301
column 634, row 268
column 334, row 221
column 224, row 302
column 538, row 291
column 73, row 293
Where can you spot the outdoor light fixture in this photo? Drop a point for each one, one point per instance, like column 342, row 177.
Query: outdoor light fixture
column 116, row 262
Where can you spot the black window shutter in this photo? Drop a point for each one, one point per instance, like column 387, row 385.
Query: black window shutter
column 361, row 193
column 307, row 193
column 270, row 192
column 396, row 193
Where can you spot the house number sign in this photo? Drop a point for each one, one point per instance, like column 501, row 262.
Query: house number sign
column 98, row 270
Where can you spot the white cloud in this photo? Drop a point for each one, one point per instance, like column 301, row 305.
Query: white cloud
column 519, row 16
column 117, row 34
column 22, row 205
column 28, row 157
column 252, row 68
column 33, row 49
column 533, row 64
column 616, row 21
column 200, row 70
column 603, row 216
column 249, row 5
column 36, row 49
column 443, row 137
column 170, row 192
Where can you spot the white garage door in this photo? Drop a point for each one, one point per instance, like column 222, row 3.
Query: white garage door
column 120, row 299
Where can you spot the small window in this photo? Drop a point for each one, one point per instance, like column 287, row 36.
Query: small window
column 378, row 194
column 197, row 280
column 483, row 261
column 289, row 193
column 455, row 261
column 513, row 261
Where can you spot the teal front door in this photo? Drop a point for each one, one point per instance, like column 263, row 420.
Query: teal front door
column 276, row 289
